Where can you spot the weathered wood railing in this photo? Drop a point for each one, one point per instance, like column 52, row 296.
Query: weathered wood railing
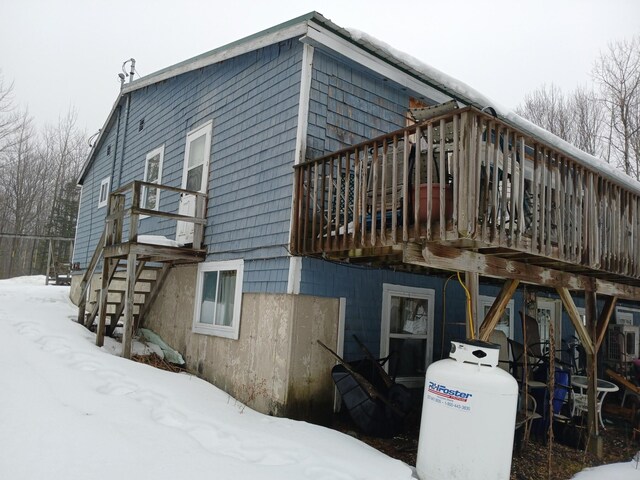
column 131, row 194
column 469, row 178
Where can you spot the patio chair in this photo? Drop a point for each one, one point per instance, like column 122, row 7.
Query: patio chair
column 500, row 338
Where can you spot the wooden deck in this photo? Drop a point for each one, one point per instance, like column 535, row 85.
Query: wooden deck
column 461, row 182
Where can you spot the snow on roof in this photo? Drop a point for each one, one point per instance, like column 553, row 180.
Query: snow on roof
column 469, row 95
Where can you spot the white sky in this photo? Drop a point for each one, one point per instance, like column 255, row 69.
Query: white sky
column 68, row 53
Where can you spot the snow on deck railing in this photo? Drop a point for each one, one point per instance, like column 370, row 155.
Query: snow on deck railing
column 470, row 177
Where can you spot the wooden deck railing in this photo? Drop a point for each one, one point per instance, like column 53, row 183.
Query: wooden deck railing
column 131, row 195
column 470, row 179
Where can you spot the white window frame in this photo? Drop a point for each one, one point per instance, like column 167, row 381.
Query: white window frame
column 103, row 202
column 554, row 306
column 429, row 294
column 232, row 331
column 150, row 155
column 626, row 315
column 487, row 301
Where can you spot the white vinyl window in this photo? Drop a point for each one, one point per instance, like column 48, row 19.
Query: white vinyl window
column 152, row 174
column 218, row 298
column 505, row 324
column 103, row 197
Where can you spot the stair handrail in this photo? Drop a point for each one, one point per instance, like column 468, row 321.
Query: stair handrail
column 85, row 282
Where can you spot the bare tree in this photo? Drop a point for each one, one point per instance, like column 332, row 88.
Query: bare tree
column 587, row 121
column 617, row 72
column 548, row 108
column 8, row 116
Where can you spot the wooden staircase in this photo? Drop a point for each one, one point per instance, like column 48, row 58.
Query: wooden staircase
column 148, row 283
column 133, row 272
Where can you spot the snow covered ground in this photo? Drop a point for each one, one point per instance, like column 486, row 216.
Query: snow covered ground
column 71, row 410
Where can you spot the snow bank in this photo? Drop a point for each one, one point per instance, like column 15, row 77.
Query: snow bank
column 615, row 471
column 69, row 409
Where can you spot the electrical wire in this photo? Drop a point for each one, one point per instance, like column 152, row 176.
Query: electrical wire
column 444, row 314
column 469, row 312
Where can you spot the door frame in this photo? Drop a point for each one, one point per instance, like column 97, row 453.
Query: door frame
column 196, row 132
column 429, row 294
column 184, row 230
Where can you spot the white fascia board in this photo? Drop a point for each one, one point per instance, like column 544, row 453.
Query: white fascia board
column 218, row 56
column 96, row 144
column 324, row 39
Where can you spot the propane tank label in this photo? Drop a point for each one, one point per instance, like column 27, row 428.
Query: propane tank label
column 439, row 393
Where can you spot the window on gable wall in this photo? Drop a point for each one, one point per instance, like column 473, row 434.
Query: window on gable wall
column 103, row 198
column 218, row 298
column 153, row 174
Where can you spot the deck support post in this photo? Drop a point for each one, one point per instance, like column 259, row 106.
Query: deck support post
column 128, row 305
column 587, row 338
column 46, row 282
column 472, row 282
column 592, row 375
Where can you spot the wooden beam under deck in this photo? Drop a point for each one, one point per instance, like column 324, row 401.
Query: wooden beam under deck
column 442, row 257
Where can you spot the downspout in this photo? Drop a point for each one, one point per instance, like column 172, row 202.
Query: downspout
column 115, row 148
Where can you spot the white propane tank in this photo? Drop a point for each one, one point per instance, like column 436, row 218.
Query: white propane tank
column 468, row 416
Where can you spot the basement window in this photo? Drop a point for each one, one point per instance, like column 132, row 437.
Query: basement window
column 219, row 298
column 103, row 198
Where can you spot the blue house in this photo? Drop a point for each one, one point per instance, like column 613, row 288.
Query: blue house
column 310, row 183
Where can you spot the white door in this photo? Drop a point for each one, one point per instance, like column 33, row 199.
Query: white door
column 195, row 176
column 407, row 332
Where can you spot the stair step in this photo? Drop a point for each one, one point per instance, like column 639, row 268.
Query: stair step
column 118, row 303
column 122, row 278
column 122, row 290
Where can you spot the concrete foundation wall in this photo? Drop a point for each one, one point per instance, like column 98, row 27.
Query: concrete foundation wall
column 275, row 366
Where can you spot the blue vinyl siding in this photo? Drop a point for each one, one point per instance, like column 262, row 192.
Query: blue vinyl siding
column 252, row 101
column 362, row 288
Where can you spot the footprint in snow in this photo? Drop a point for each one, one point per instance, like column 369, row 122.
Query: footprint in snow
column 55, row 345
column 325, row 473
column 28, row 329
column 169, row 418
column 117, row 389
column 150, row 399
column 270, row 457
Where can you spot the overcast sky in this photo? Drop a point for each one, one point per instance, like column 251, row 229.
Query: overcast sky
column 63, row 54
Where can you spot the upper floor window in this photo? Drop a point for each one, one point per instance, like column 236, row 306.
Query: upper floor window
column 152, row 174
column 103, row 198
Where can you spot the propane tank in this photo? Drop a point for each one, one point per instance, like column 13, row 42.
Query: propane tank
column 468, row 416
